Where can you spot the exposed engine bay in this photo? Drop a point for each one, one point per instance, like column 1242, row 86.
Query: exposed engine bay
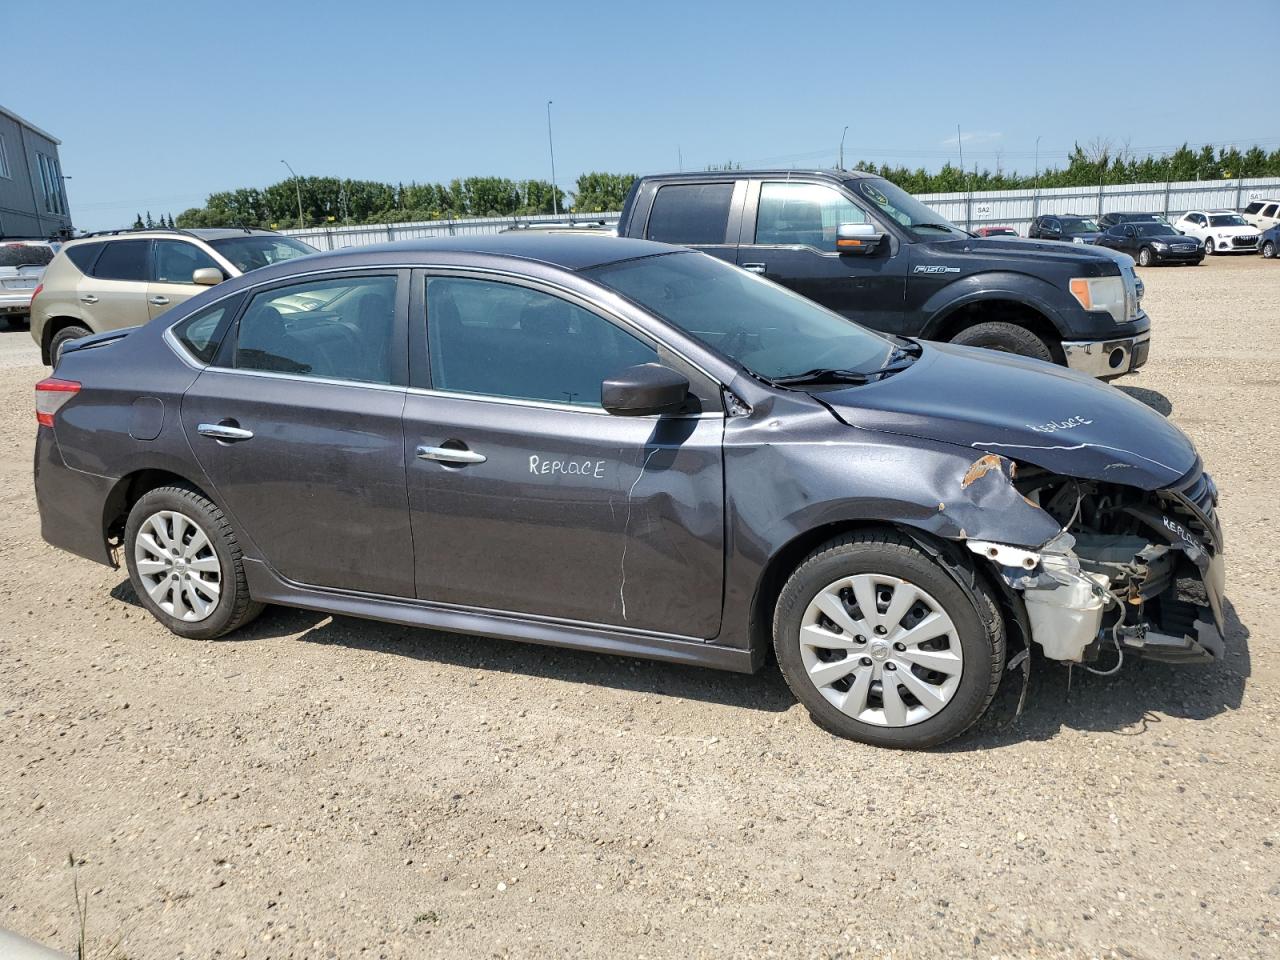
column 1131, row 570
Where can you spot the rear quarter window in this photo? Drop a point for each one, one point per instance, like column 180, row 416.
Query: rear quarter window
column 83, row 255
column 201, row 332
column 690, row 213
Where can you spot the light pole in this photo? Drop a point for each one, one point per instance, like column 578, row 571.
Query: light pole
column 551, row 144
column 297, row 185
column 846, row 130
column 1035, row 203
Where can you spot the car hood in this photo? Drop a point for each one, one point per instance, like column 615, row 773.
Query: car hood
column 1017, row 252
column 1022, row 409
column 1236, row 231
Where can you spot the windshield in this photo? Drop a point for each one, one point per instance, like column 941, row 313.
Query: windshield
column 1155, row 230
column 1227, row 220
column 895, row 202
column 1078, row 225
column 253, row 251
column 769, row 330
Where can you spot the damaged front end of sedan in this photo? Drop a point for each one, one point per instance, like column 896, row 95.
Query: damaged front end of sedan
column 1131, row 570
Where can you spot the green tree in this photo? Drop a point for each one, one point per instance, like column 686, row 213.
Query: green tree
column 137, row 222
column 602, row 192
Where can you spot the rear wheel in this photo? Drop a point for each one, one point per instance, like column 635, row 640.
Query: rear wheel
column 63, row 337
column 185, row 564
column 882, row 645
column 1269, row 250
column 1145, row 257
column 1006, row 337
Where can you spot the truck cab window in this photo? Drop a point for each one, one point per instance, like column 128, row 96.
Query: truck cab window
column 690, row 213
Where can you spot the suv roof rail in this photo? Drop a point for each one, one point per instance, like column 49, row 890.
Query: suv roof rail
column 113, row 233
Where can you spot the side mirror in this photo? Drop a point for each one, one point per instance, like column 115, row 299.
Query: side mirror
column 857, row 238
column 642, row 390
column 207, row 276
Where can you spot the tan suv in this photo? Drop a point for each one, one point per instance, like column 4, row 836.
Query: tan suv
column 126, row 277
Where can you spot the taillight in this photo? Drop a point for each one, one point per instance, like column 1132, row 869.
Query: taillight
column 51, row 394
column 36, row 292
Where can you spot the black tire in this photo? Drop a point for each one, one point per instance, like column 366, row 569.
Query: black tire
column 1145, row 257
column 63, row 337
column 1269, row 250
column 234, row 607
column 1208, row 247
column 1006, row 337
column 979, row 629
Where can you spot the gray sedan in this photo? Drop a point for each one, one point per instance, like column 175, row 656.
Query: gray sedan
column 633, row 448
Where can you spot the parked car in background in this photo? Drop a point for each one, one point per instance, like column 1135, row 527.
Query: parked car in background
column 22, row 264
column 634, row 448
column 1262, row 214
column 1067, row 227
column 1126, row 216
column 996, row 232
column 1151, row 243
column 1221, row 231
column 1270, row 244
column 124, row 278
column 588, row 227
column 867, row 249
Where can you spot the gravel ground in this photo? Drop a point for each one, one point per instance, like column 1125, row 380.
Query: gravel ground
column 327, row 787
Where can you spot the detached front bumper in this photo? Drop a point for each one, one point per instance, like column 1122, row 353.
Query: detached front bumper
column 1110, row 358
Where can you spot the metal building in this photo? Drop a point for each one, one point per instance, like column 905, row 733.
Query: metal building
column 33, row 196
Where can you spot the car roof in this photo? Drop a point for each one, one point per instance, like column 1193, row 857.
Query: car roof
column 200, row 233
column 569, row 251
column 783, row 172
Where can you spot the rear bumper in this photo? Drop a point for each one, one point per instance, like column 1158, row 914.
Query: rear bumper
column 71, row 503
column 15, row 301
column 1109, row 358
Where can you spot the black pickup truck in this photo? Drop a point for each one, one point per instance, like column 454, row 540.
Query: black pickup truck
column 865, row 248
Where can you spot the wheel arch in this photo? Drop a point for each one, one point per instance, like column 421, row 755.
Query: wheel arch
column 961, row 316
column 51, row 328
column 128, row 490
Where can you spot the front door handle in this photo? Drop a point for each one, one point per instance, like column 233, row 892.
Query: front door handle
column 450, row 455
column 159, row 301
column 754, row 267
column 88, row 298
column 223, row 431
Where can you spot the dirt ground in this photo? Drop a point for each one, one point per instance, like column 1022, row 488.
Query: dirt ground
column 327, row 787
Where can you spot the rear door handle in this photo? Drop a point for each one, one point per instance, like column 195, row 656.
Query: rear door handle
column 88, row 298
column 159, row 301
column 754, row 267
column 450, row 455
column 222, row 431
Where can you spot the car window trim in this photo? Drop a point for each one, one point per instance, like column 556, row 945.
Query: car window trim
column 224, row 358
column 710, row 396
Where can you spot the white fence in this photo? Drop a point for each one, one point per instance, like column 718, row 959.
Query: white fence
column 1015, row 208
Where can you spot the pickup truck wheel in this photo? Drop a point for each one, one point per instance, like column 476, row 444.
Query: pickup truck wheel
column 63, row 337
column 1006, row 337
column 882, row 645
column 185, row 564
column 1144, row 257
column 1269, row 250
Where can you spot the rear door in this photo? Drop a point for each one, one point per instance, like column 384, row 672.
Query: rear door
column 527, row 497
column 789, row 236
column 115, row 295
column 705, row 216
column 172, row 264
column 298, row 425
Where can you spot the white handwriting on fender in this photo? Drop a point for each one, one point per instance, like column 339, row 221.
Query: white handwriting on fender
column 575, row 468
column 1053, row 426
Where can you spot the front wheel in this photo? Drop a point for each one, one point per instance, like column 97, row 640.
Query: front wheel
column 185, row 564
column 1208, row 247
column 882, row 645
column 1005, row 337
column 1144, row 257
column 1269, row 250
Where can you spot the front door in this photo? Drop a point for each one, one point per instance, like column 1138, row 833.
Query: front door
column 794, row 244
column 298, row 425
column 172, row 264
column 526, row 496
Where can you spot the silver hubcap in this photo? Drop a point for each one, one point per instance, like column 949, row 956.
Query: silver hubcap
column 178, row 566
column 881, row 650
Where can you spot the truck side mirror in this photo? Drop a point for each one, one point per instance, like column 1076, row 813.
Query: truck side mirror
column 857, row 238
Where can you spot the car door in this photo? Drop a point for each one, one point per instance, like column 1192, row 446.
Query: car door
column 1129, row 241
column 172, row 264
column 525, row 496
column 789, row 236
column 298, row 425
column 114, row 295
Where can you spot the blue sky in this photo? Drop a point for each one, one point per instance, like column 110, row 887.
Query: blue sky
column 159, row 104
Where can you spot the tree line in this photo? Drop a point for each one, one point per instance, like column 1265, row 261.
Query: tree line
column 335, row 201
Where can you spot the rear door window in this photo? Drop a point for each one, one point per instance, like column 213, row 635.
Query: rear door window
column 1253, row 207
column 690, row 213
column 1270, row 211
column 201, row 332
column 123, row 260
